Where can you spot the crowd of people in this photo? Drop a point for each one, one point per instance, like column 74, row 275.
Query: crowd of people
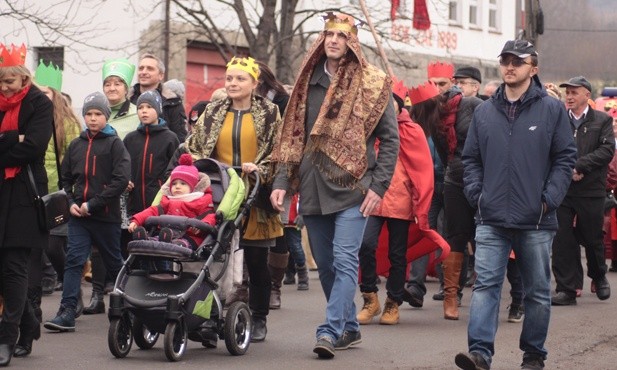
column 388, row 180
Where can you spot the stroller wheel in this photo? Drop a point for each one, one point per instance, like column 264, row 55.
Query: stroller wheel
column 119, row 336
column 175, row 340
column 238, row 328
column 144, row 338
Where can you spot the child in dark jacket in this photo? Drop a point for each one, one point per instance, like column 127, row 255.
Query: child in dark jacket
column 95, row 172
column 188, row 195
column 151, row 147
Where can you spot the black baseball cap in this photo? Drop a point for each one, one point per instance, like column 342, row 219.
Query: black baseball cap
column 520, row 48
column 578, row 81
column 468, row 72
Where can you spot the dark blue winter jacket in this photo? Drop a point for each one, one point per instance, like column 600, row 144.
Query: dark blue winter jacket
column 512, row 168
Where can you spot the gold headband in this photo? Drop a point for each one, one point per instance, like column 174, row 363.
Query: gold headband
column 247, row 65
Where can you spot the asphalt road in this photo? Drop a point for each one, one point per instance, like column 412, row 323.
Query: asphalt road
column 580, row 337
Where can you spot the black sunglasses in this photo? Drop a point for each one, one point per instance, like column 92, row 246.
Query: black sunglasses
column 516, row 62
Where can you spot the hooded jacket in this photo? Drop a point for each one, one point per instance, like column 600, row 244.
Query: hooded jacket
column 96, row 169
column 201, row 208
column 512, row 168
column 150, row 147
column 173, row 110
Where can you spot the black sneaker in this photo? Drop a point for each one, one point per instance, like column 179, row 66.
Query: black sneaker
column 166, row 235
column 563, row 299
column 532, row 362
column 348, row 339
column 413, row 295
column 140, row 233
column 471, row 361
column 516, row 312
column 324, row 348
column 438, row 296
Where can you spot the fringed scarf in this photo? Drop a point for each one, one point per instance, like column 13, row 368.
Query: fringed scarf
column 353, row 105
column 11, row 106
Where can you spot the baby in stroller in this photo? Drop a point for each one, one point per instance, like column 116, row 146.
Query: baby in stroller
column 188, row 194
column 180, row 302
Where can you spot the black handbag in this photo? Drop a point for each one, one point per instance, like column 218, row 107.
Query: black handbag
column 52, row 209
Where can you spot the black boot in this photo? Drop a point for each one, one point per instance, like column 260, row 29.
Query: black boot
column 259, row 303
column 290, row 272
column 29, row 331
column 97, row 304
column 259, row 329
column 80, row 304
column 303, row 279
column 6, row 353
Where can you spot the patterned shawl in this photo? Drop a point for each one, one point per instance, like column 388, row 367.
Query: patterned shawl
column 208, row 128
column 353, row 105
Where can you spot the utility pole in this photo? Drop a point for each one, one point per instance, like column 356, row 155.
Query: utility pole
column 166, row 40
column 534, row 21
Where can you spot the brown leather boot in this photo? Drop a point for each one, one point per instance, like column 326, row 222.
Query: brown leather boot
column 451, row 273
column 370, row 308
column 390, row 313
column 277, row 264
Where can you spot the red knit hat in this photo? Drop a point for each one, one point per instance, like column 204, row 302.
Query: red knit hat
column 185, row 171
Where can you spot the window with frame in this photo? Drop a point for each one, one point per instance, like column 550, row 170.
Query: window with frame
column 474, row 13
column 454, row 11
column 493, row 15
column 50, row 54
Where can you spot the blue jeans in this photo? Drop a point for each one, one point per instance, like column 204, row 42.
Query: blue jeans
column 293, row 238
column 532, row 250
column 82, row 234
column 335, row 243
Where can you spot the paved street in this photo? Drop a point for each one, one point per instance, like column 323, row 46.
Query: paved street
column 581, row 337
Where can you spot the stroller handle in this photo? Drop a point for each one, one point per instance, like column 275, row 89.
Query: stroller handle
column 180, row 222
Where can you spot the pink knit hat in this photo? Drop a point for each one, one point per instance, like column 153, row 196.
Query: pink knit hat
column 185, row 171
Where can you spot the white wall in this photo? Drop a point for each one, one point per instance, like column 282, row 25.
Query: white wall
column 108, row 29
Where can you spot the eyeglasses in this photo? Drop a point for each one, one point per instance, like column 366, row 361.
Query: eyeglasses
column 516, row 62
column 460, row 82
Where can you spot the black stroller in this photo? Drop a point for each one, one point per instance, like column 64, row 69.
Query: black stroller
column 153, row 294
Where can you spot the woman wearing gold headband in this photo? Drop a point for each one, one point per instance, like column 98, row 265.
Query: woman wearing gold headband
column 239, row 131
column 26, row 122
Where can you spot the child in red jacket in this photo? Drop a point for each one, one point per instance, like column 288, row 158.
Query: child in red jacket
column 188, row 195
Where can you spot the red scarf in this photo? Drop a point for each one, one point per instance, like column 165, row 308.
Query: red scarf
column 448, row 123
column 10, row 122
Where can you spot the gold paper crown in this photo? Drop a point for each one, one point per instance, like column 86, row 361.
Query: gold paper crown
column 15, row 57
column 341, row 22
column 247, row 65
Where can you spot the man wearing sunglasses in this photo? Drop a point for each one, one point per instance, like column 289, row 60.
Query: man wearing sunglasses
column 518, row 160
column 593, row 133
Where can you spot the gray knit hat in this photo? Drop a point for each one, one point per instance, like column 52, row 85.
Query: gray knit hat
column 96, row 100
column 153, row 98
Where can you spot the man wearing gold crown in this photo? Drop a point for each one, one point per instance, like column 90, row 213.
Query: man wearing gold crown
column 339, row 106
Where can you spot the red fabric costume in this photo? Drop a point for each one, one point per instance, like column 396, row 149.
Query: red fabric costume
column 415, row 161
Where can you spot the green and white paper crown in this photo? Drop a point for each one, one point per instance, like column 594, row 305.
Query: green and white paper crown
column 48, row 75
column 121, row 68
